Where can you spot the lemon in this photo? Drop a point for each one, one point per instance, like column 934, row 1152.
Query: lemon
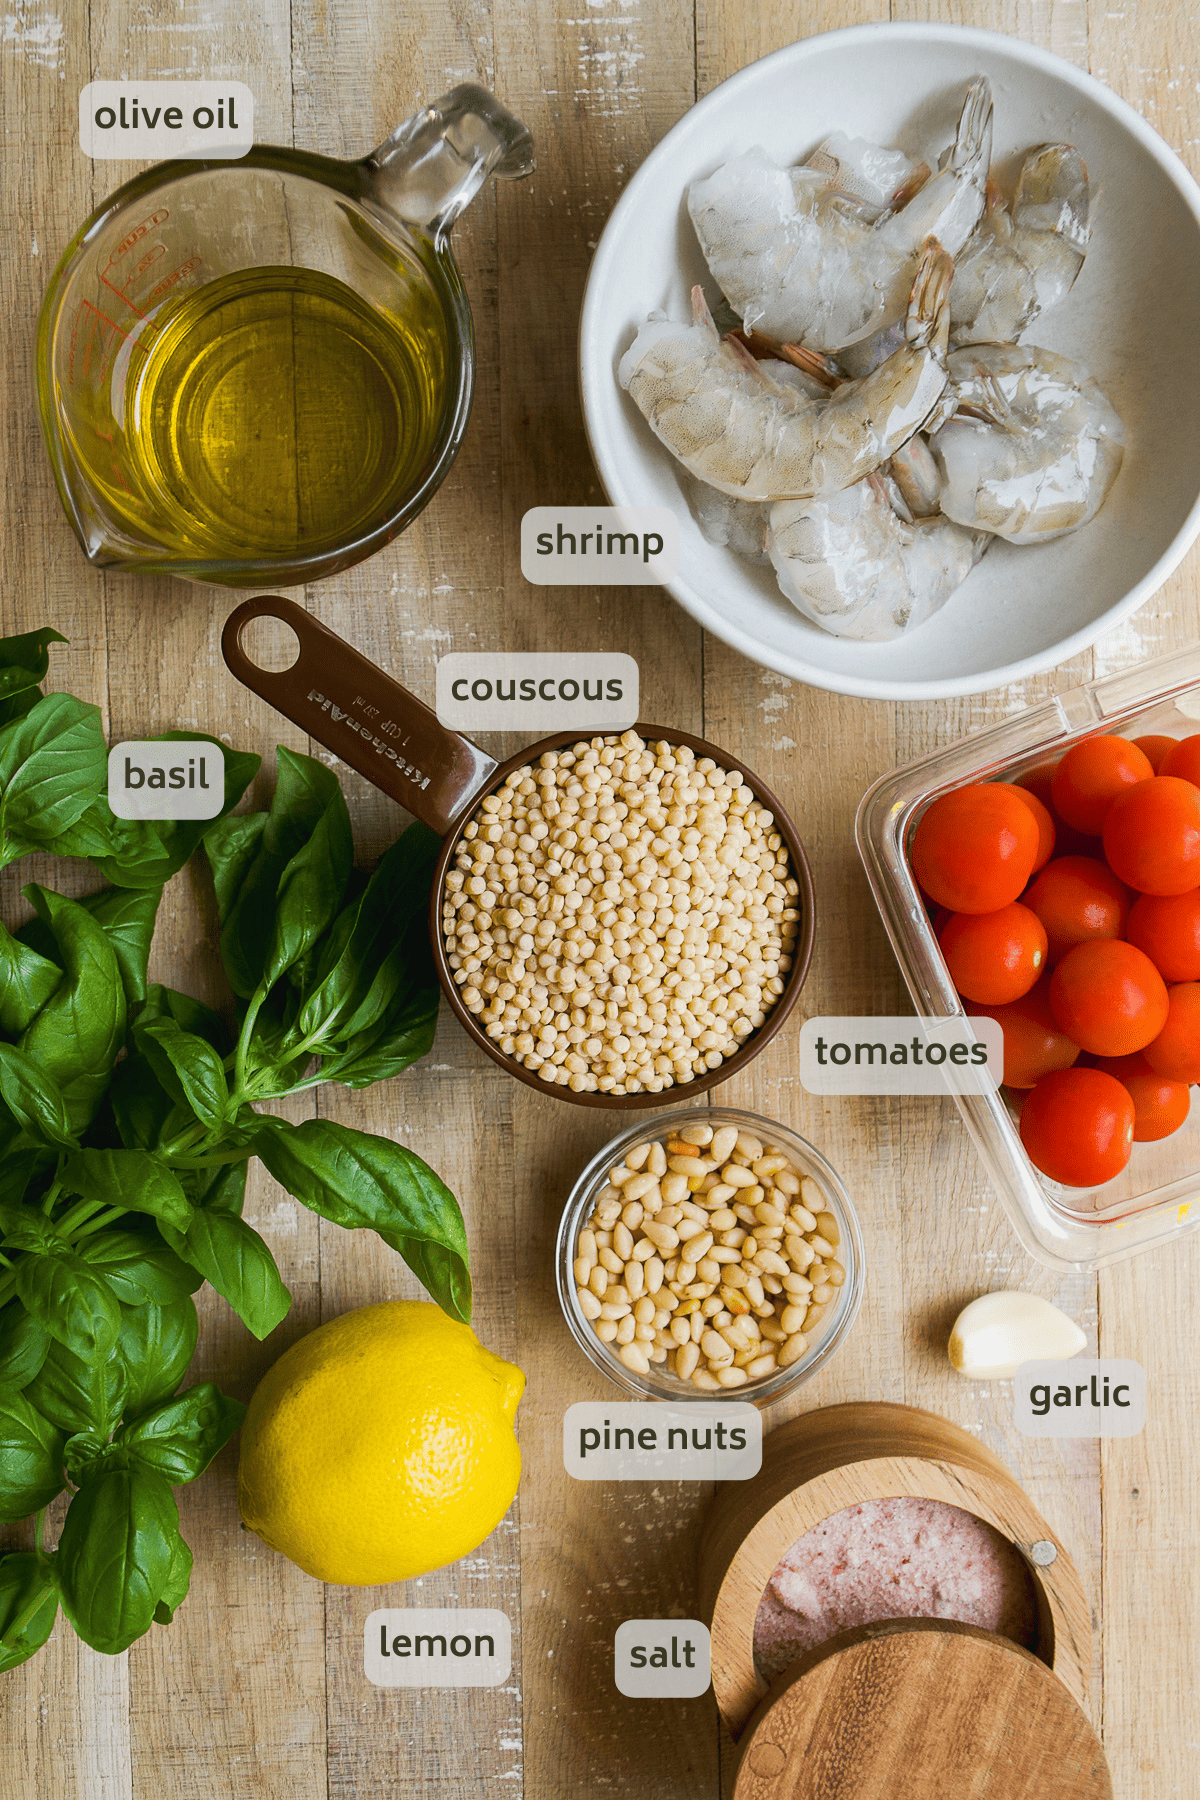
column 381, row 1445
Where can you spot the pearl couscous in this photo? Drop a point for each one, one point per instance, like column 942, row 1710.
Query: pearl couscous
column 620, row 916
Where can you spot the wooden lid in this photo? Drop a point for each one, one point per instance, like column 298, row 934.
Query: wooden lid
column 920, row 1710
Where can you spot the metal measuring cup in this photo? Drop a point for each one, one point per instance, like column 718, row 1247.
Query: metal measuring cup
column 376, row 726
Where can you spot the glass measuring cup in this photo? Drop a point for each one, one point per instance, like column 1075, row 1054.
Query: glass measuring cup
column 260, row 371
column 376, row 726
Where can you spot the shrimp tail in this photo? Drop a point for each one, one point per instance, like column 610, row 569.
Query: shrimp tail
column 972, row 149
column 701, row 314
column 927, row 324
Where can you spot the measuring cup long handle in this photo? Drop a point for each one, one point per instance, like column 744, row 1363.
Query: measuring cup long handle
column 433, row 165
column 362, row 715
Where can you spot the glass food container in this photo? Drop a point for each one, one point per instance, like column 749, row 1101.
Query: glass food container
column 1157, row 1197
column 659, row 1383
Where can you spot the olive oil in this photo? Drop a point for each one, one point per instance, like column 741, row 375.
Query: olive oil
column 277, row 411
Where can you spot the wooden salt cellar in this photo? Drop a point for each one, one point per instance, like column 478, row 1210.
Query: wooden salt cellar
column 840, row 1456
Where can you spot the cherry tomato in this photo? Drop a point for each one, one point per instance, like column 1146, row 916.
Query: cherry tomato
column 994, row 957
column 1077, row 898
column 1039, row 781
column 1167, row 928
column 1045, row 822
column 1033, row 1044
column 1183, row 759
column 1152, row 836
column 974, row 849
column 1090, row 777
column 1156, row 750
column 1108, row 997
column 1160, row 1105
column 1175, row 1052
column 1077, row 1127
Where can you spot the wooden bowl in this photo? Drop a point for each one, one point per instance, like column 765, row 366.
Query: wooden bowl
column 841, row 1456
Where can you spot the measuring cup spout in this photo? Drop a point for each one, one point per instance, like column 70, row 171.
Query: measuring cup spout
column 433, row 165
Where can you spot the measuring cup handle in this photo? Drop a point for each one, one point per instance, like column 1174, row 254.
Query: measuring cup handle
column 433, row 165
column 362, row 715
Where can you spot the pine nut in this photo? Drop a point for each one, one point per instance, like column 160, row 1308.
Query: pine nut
column 586, row 1247
column 835, row 1274
column 598, row 1282
column 688, row 1228
column 729, row 1378
column 663, row 1237
column 792, row 1319
column 622, row 1243
column 614, row 1309
column 720, row 1220
column 735, row 1176
column 607, row 1330
column 829, row 1229
column 589, row 1306
column 686, row 1360
column 749, row 1146
column 702, row 1379
column 657, row 1164
column 636, row 1158
column 635, row 1279
column 644, row 1310
column 626, row 1330
column 697, row 1134
column 716, row 1349
column 674, row 1189
column 803, row 1218
column 635, row 1358
column 681, row 1331
column 822, row 1246
column 708, row 1270
column 643, row 1250
column 698, row 1247
column 762, row 1365
column 611, row 1261
column 793, row 1350
column 768, row 1214
column 643, row 1334
column 723, row 1141
column 640, row 1185
column 688, row 1165
column 582, row 1268
column 754, row 1291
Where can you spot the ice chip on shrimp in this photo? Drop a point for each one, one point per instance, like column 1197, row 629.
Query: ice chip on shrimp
column 735, row 427
column 1022, row 260
column 1034, row 447
column 854, row 567
column 798, row 264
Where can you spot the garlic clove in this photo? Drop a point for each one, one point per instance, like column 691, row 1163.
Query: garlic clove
column 996, row 1333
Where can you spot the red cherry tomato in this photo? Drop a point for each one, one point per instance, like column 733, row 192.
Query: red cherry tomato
column 1033, row 1044
column 1167, row 928
column 1039, row 782
column 1160, row 1105
column 1091, row 775
column 994, row 957
column 1175, row 1052
column 1183, row 759
column 1077, row 1127
column 1077, row 898
column 1152, row 836
column 1108, row 997
column 1156, row 750
column 974, row 849
column 1045, row 822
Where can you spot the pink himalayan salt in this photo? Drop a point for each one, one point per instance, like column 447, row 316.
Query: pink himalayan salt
column 892, row 1559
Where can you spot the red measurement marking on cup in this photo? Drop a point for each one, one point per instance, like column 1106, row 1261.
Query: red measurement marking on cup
column 168, row 281
column 129, row 242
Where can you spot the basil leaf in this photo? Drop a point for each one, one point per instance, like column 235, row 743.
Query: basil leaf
column 231, row 847
column 28, row 1605
column 27, row 981
column 235, row 1260
column 138, row 1270
column 77, row 1393
column 24, row 1346
column 403, row 1036
column 32, row 1099
column 372, row 964
column 181, row 1437
column 131, row 864
column 311, row 888
column 52, row 762
column 127, row 916
column 82, row 1454
column 134, row 1179
column 76, row 1036
column 187, row 1066
column 25, row 659
column 21, row 1228
column 30, row 1458
column 77, row 1307
column 305, row 792
column 179, row 1579
column 365, row 1182
column 115, row 1555
column 18, row 1169
column 155, row 1346
column 190, row 1015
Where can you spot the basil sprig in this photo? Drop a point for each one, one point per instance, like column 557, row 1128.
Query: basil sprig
column 129, row 1115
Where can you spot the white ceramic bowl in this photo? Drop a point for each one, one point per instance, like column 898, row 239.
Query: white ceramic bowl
column 1133, row 317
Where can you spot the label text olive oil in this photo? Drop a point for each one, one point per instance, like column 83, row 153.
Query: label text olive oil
column 277, row 411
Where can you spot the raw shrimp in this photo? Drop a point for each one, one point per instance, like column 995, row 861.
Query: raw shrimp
column 1020, row 262
column 747, row 434
column 853, row 566
column 1034, row 446
column 805, row 268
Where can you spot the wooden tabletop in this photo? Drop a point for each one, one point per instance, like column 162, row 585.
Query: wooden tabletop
column 257, row 1688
